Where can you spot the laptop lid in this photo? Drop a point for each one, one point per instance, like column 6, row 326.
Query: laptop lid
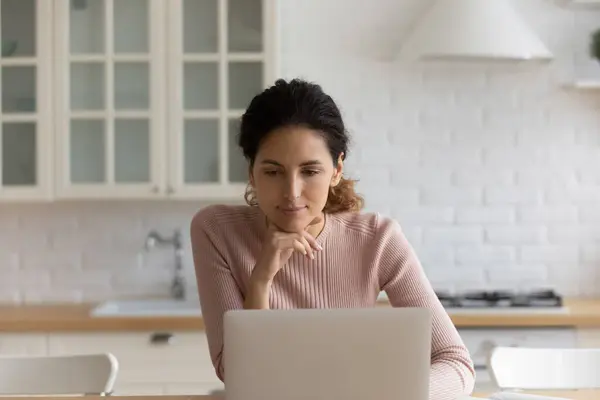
column 381, row 353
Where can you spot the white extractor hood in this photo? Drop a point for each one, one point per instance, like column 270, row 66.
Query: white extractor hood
column 473, row 30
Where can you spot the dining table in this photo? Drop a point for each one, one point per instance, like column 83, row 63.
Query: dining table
column 566, row 394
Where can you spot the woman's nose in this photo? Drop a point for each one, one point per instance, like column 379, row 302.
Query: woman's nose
column 293, row 189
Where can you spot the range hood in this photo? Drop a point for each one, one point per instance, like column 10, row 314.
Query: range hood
column 473, row 30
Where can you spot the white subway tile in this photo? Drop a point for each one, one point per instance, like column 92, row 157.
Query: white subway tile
column 389, row 156
column 589, row 213
column 510, row 157
column 451, row 196
column 69, row 260
column 511, row 195
column 573, row 234
column 11, row 279
column 435, row 255
column 452, row 235
column 590, row 254
column 373, row 176
column 584, row 195
column 547, row 214
column 407, row 136
column 8, row 260
column 543, row 176
column 485, row 215
column 420, row 177
column 549, row 254
column 424, row 215
column 589, row 177
column 515, row 235
column 484, row 255
column 446, row 277
column 485, row 138
column 53, row 295
column 476, row 177
column 519, row 276
column 443, row 157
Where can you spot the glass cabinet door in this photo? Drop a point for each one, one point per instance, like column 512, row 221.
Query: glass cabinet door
column 109, row 78
column 25, row 115
column 220, row 57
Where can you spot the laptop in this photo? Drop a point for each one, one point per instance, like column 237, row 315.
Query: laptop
column 380, row 353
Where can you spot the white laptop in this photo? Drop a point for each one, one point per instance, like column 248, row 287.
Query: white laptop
column 327, row 354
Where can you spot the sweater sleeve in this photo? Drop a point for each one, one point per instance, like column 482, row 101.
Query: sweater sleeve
column 403, row 279
column 217, row 287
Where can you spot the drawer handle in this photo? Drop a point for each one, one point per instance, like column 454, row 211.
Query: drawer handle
column 161, row 338
column 480, row 367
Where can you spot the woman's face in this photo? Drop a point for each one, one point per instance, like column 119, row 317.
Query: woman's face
column 291, row 175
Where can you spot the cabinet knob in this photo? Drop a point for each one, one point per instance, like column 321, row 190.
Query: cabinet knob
column 154, row 189
column 161, row 338
column 170, row 189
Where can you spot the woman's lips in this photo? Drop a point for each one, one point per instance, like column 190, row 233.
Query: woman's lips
column 291, row 210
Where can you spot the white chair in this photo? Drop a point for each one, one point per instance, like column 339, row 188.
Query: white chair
column 86, row 374
column 518, row 368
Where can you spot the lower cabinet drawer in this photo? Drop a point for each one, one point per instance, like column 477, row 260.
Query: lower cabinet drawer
column 22, row 344
column 480, row 341
column 149, row 362
column 589, row 338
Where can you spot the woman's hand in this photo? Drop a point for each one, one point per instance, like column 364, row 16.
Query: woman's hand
column 277, row 250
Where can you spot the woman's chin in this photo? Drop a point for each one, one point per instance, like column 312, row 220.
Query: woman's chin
column 292, row 224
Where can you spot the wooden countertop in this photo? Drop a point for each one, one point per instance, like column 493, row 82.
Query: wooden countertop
column 567, row 394
column 76, row 317
column 582, row 313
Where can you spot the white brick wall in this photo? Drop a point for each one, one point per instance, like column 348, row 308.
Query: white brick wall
column 492, row 170
column 503, row 161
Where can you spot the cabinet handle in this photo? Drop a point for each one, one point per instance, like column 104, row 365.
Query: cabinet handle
column 161, row 338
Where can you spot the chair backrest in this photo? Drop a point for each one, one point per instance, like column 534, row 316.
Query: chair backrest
column 93, row 374
column 545, row 368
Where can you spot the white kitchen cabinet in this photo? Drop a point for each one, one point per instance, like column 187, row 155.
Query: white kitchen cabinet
column 109, row 91
column 148, row 95
column 26, row 102
column 20, row 344
column 146, row 366
column 480, row 341
column 589, row 338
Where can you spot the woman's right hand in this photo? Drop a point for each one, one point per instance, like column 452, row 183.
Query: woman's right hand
column 279, row 247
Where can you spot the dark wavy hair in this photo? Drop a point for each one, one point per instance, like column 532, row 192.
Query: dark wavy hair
column 299, row 103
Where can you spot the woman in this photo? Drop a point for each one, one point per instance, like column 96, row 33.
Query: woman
column 301, row 241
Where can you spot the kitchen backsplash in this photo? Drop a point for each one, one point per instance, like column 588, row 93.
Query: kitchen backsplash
column 492, row 170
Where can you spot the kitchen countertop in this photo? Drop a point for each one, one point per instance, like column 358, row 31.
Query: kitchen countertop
column 76, row 317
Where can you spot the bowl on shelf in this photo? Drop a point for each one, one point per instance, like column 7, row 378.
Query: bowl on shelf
column 9, row 47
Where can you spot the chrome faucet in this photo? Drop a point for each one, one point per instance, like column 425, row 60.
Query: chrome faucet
column 178, row 284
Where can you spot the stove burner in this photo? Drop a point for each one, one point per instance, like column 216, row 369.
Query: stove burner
column 501, row 298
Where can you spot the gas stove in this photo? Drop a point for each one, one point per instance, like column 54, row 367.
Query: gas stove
column 502, row 299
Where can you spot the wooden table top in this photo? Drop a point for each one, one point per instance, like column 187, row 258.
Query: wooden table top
column 567, row 394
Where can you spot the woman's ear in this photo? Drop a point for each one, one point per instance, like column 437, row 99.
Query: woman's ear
column 250, row 176
column 339, row 169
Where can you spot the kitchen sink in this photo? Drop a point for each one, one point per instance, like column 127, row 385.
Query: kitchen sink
column 148, row 308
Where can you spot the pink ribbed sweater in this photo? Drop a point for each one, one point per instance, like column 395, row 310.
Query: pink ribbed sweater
column 362, row 254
